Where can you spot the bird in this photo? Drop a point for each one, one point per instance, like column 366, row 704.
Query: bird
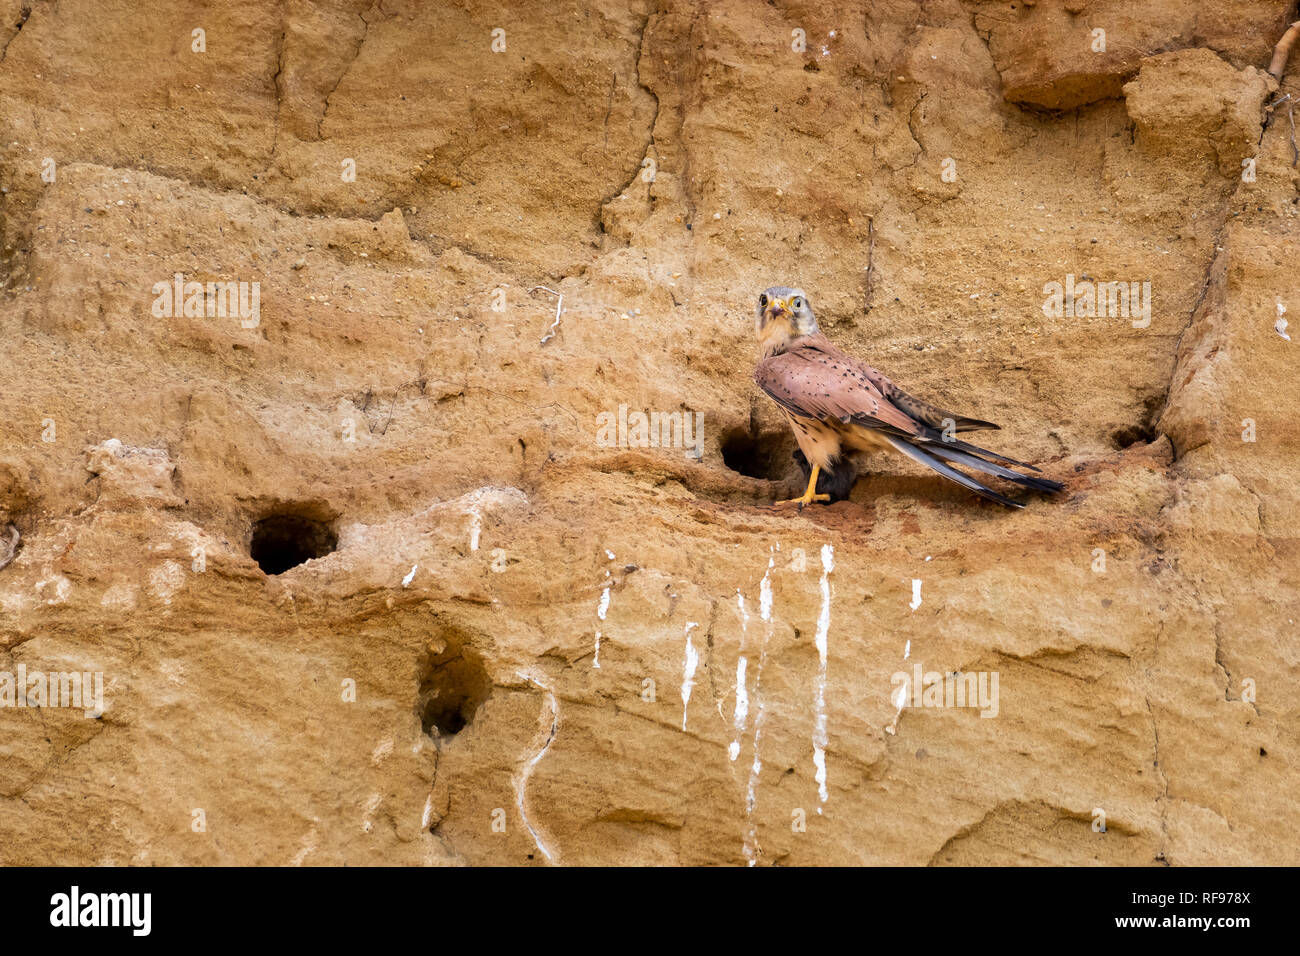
column 838, row 406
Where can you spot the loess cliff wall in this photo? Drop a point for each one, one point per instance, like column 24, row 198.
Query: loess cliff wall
column 398, row 178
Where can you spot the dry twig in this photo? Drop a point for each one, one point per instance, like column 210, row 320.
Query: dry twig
column 1295, row 152
column 418, row 383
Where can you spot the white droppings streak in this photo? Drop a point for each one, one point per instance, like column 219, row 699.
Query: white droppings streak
column 765, row 593
column 475, row 527
column 742, row 706
column 688, row 671
column 899, row 697
column 751, row 797
column 601, row 610
column 899, row 700
column 821, row 639
column 521, row 781
column 741, row 714
column 756, row 767
column 406, row 581
column 428, row 812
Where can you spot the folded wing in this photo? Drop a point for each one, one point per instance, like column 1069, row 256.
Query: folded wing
column 816, row 380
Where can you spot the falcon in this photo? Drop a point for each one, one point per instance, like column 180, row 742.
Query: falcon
column 837, row 406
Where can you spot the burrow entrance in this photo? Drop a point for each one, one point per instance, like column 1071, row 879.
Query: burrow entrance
column 1142, row 431
column 286, row 538
column 774, row 456
column 454, row 684
column 766, row 455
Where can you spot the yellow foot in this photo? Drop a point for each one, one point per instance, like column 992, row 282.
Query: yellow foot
column 810, row 495
column 807, row 499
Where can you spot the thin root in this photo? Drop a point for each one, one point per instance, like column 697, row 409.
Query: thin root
column 1295, row 152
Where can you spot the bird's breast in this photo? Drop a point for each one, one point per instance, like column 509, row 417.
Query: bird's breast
column 818, row 440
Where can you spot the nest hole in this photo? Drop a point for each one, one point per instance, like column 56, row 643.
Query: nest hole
column 1133, row 435
column 1142, row 431
column 766, row 455
column 454, row 684
column 284, row 541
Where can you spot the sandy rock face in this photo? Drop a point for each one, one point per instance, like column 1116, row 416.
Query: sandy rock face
column 282, row 296
column 1062, row 54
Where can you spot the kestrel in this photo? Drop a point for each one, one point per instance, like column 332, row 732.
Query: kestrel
column 838, row 406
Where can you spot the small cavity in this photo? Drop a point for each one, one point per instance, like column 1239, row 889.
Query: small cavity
column 454, row 684
column 285, row 540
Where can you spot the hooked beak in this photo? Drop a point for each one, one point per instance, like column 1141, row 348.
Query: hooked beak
column 775, row 309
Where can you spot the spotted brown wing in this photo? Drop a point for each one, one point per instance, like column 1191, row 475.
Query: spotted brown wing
column 816, row 380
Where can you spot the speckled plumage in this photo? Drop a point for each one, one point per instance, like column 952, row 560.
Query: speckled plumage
column 836, row 404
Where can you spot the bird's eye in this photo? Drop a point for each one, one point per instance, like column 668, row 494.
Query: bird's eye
column 797, row 302
column 762, row 301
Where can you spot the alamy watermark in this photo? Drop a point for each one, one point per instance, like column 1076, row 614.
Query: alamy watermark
column 1088, row 299
column 624, row 429
column 130, row 910
column 53, row 689
column 923, row 688
column 213, row 300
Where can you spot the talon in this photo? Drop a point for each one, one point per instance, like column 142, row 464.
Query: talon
column 804, row 500
column 810, row 495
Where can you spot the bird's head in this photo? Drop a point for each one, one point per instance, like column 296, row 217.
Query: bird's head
column 783, row 314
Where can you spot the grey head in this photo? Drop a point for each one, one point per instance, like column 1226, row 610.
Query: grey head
column 784, row 309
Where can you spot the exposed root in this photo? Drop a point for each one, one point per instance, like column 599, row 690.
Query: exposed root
column 1283, row 50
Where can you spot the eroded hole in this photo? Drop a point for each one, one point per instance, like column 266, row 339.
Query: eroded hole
column 454, row 684
column 1132, row 435
column 774, row 456
column 283, row 541
column 766, row 455
column 1144, row 430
